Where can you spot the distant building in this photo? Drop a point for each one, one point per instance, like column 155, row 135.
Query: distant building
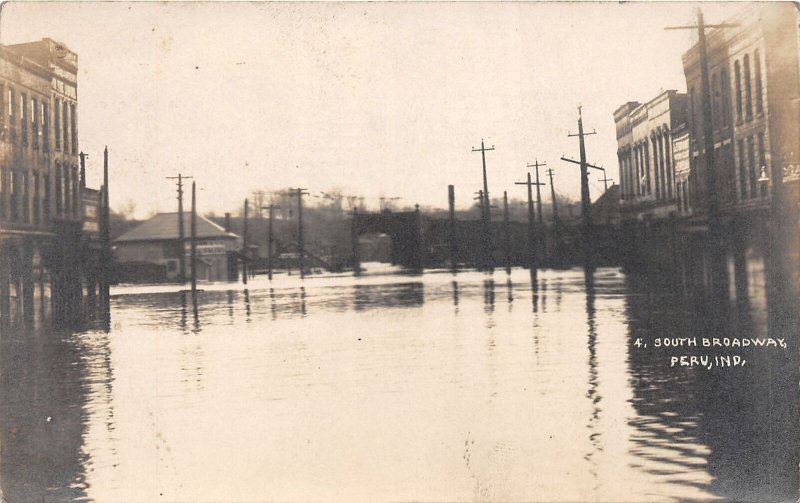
column 681, row 164
column 754, row 74
column 645, row 154
column 157, row 242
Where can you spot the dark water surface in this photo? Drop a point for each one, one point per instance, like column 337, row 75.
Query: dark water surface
column 402, row 388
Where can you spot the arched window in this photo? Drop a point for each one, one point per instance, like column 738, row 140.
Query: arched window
column 759, row 89
column 726, row 98
column 737, row 74
column 715, row 101
column 748, row 91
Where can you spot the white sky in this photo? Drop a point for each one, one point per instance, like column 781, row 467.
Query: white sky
column 374, row 98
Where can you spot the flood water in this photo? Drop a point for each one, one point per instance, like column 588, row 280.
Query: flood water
column 393, row 387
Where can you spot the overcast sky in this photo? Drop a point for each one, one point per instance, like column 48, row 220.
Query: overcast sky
column 373, row 98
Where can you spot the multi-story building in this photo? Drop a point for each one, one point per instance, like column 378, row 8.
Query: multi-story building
column 645, row 154
column 754, row 74
column 40, row 190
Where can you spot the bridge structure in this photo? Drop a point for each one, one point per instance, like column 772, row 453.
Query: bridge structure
column 404, row 229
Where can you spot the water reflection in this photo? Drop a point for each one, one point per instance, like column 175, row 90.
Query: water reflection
column 373, row 374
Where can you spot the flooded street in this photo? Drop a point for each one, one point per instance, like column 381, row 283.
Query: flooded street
column 433, row 387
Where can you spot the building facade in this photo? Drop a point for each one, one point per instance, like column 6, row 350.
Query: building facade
column 754, row 74
column 157, row 242
column 645, row 154
column 40, row 188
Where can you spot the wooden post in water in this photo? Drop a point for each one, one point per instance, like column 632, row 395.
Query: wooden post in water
column 193, row 238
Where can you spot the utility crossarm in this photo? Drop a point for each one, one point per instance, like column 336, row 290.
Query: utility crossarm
column 578, row 162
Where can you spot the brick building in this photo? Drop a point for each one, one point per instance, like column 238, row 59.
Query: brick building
column 754, row 72
column 40, row 188
column 645, row 154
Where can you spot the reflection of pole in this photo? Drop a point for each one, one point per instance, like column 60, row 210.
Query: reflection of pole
column 507, row 232
column 451, row 199
column 193, row 237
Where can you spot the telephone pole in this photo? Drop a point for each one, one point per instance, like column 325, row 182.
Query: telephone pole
column 193, row 238
column 718, row 269
column 486, row 213
column 244, row 243
column 451, row 203
column 270, row 208
column 556, row 220
column 181, row 233
column 586, row 203
column 605, row 181
column 532, row 222
column 507, row 233
column 299, row 193
column 539, row 215
column 105, row 236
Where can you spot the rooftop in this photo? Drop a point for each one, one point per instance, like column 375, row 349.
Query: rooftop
column 164, row 226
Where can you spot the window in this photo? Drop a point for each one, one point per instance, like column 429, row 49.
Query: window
column 36, row 199
column 726, row 98
column 10, row 102
column 57, row 120
column 23, row 117
column 65, row 126
column 46, row 198
column 748, row 92
column 691, row 113
column 35, row 122
column 738, row 76
column 72, row 128
column 751, row 162
column 742, row 172
column 759, row 89
column 45, row 127
column 59, row 190
column 715, row 99
column 762, row 162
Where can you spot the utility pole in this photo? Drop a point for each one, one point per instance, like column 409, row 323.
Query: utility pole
column 271, row 209
column 193, row 238
column 718, row 269
column 299, row 193
column 586, row 203
column 106, row 235
column 181, row 233
column 531, row 223
column 507, row 232
column 605, row 181
column 486, row 212
column 539, row 215
column 354, row 242
column 83, row 168
column 556, row 220
column 451, row 200
column 244, row 244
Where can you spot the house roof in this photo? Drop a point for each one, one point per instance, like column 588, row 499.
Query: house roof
column 164, row 226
